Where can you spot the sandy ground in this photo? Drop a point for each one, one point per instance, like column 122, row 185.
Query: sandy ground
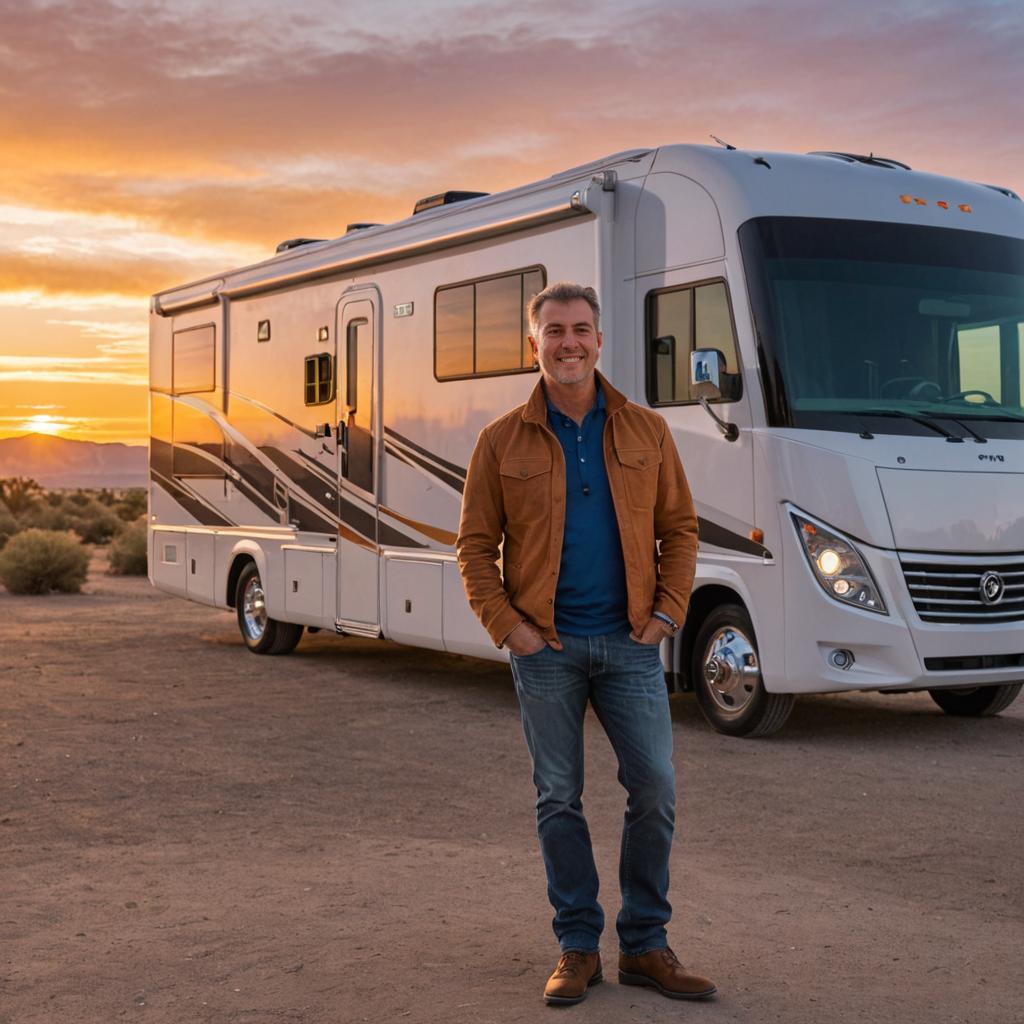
column 190, row 833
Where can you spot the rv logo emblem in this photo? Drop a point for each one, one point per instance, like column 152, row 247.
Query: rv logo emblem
column 992, row 588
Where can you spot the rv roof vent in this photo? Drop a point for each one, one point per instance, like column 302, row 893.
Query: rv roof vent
column 444, row 198
column 294, row 243
column 360, row 226
column 1008, row 192
column 860, row 158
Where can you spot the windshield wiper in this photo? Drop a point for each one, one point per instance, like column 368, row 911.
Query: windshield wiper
column 978, row 439
column 922, row 420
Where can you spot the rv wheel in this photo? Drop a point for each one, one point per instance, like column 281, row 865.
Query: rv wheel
column 976, row 701
column 727, row 677
column 262, row 634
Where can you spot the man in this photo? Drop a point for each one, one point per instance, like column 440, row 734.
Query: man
column 571, row 492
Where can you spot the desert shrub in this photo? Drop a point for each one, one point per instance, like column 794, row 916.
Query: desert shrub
column 19, row 493
column 93, row 522
column 79, row 498
column 38, row 561
column 132, row 504
column 46, row 515
column 9, row 526
column 129, row 551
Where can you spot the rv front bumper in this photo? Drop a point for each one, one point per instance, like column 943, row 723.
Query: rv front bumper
column 832, row 647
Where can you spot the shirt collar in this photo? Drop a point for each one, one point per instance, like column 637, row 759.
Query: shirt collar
column 555, row 411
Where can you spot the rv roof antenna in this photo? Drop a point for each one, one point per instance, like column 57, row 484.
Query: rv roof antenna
column 722, row 142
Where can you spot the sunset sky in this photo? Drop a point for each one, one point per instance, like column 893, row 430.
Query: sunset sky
column 145, row 144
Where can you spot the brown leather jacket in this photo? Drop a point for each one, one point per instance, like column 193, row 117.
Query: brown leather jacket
column 515, row 496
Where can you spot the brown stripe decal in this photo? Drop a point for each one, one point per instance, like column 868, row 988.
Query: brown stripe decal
column 357, row 538
column 434, row 532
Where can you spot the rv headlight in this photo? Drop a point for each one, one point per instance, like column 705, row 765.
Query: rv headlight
column 838, row 566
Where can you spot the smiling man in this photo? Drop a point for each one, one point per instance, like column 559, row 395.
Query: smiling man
column 577, row 548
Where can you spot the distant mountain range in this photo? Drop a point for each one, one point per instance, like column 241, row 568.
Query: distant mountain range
column 58, row 462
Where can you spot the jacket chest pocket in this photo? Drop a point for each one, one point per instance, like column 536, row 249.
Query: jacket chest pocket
column 526, row 488
column 640, row 470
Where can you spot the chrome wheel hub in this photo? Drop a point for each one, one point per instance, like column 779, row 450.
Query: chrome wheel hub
column 731, row 671
column 254, row 610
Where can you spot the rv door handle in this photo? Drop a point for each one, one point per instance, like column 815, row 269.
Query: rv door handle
column 341, row 445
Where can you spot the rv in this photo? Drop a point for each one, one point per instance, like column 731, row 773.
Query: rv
column 835, row 340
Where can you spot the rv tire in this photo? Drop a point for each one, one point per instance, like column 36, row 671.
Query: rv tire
column 976, row 701
column 726, row 675
column 262, row 634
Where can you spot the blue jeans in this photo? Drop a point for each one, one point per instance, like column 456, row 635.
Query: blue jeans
column 625, row 683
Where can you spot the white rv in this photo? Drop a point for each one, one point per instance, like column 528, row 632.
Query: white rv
column 836, row 341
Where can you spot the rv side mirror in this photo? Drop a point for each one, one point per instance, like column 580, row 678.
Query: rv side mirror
column 707, row 367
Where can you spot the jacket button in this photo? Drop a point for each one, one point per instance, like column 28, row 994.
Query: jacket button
column 524, row 472
column 550, row 601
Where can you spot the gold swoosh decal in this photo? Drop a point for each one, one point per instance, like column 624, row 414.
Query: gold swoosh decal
column 434, row 532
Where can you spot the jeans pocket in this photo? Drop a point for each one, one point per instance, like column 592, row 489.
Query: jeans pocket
column 640, row 643
column 524, row 657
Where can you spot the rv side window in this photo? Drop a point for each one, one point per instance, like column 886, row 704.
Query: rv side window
column 319, row 380
column 481, row 327
column 679, row 321
column 193, row 360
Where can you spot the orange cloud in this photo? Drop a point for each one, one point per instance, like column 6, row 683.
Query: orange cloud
column 126, row 277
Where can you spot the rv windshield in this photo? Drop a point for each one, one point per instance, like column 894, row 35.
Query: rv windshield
column 886, row 327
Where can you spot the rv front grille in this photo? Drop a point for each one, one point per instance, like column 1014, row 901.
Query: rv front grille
column 966, row 589
column 972, row 662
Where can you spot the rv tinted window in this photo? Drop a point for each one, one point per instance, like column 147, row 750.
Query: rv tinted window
column 193, row 360
column 533, row 284
column 319, row 379
column 453, row 332
column 481, row 327
column 680, row 321
column 499, row 324
column 907, row 322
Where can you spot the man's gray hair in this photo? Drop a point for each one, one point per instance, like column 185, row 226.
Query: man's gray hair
column 563, row 291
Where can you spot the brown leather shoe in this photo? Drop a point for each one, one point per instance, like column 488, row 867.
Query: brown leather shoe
column 575, row 973
column 661, row 969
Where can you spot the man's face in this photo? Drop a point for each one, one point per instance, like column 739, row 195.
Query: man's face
column 566, row 343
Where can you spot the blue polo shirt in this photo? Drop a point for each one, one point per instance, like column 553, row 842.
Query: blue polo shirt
column 590, row 599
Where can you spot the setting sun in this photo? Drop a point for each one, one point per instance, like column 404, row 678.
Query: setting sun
column 43, row 424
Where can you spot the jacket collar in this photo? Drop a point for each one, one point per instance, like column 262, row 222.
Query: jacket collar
column 536, row 408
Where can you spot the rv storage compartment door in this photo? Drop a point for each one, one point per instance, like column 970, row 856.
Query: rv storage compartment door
column 304, row 583
column 199, row 566
column 414, row 602
column 463, row 633
column 167, row 557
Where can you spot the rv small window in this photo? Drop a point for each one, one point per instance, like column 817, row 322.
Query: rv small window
column 193, row 360
column 481, row 327
column 679, row 321
column 319, row 380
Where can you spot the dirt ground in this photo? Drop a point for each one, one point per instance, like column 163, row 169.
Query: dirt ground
column 190, row 833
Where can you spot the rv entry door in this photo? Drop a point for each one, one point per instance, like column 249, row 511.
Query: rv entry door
column 358, row 407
